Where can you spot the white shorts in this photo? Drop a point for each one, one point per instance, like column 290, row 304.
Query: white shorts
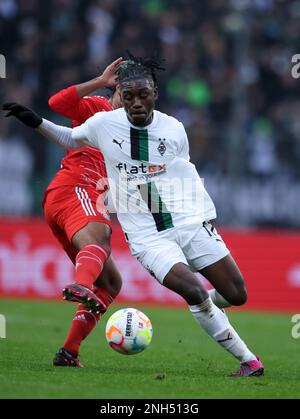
column 195, row 245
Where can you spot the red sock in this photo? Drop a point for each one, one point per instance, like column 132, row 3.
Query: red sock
column 84, row 322
column 89, row 264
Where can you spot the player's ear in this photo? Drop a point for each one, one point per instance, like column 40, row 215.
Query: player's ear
column 117, row 97
column 155, row 92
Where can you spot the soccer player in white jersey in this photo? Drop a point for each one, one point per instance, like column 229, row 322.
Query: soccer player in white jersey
column 161, row 203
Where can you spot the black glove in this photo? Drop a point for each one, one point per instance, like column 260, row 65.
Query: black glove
column 25, row 115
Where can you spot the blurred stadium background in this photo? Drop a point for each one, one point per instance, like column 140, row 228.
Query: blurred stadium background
column 228, row 79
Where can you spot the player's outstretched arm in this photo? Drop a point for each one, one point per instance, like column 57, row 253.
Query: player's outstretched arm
column 63, row 136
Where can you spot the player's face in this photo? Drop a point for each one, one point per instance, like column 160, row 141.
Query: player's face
column 138, row 99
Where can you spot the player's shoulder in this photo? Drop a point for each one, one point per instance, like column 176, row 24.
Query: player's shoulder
column 117, row 114
column 96, row 99
column 106, row 117
column 99, row 103
column 172, row 122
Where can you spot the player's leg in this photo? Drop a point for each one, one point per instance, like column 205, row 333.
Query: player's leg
column 207, row 253
column 174, row 274
column 110, row 280
column 228, row 282
column 104, row 278
column 107, row 288
column 184, row 282
column 80, row 215
column 88, row 229
column 93, row 244
column 65, row 356
column 213, row 320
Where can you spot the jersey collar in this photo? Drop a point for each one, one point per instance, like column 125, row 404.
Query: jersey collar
column 151, row 125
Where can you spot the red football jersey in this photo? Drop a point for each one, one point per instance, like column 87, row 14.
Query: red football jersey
column 85, row 166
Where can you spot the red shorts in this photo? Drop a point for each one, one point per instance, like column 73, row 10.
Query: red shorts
column 70, row 208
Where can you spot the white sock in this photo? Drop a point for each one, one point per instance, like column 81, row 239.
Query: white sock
column 217, row 325
column 217, row 299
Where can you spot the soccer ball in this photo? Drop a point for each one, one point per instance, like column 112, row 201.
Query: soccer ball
column 128, row 331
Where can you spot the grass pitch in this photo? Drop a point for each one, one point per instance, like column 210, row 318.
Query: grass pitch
column 181, row 362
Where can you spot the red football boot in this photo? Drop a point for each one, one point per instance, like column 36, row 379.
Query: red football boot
column 64, row 358
column 83, row 295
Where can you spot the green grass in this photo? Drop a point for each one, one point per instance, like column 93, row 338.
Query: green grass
column 182, row 361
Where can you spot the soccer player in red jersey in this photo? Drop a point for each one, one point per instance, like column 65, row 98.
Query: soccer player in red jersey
column 75, row 211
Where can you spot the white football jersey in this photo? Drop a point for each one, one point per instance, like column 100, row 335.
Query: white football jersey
column 153, row 184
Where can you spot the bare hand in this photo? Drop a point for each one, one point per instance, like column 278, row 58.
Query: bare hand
column 108, row 76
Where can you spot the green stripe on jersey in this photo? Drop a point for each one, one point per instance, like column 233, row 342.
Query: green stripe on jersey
column 158, row 209
column 139, row 144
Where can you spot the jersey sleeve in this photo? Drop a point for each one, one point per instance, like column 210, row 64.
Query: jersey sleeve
column 63, row 136
column 88, row 133
column 67, row 103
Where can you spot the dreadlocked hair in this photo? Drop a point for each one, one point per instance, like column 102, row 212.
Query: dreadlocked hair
column 137, row 68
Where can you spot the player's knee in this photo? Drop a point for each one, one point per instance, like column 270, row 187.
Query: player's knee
column 239, row 298
column 91, row 240
column 195, row 294
column 116, row 283
column 102, row 242
column 106, row 247
column 243, row 296
column 110, row 280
